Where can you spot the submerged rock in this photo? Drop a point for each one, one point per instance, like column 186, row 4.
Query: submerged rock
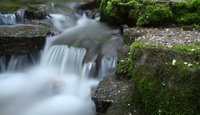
column 20, row 40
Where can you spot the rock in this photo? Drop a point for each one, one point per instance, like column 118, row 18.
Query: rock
column 90, row 8
column 130, row 34
column 168, row 37
column 88, row 5
column 29, row 14
column 166, row 83
column 93, row 14
column 153, row 13
column 111, row 95
column 21, row 40
column 11, row 13
column 1, row 50
column 122, row 70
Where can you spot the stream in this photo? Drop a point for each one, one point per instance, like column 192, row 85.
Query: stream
column 58, row 79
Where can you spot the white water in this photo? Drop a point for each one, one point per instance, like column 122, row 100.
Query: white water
column 7, row 19
column 59, row 84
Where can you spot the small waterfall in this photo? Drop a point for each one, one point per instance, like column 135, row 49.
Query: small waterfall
column 20, row 15
column 66, row 59
column 12, row 19
column 17, row 63
column 56, row 86
column 89, row 69
column 106, row 66
column 7, row 19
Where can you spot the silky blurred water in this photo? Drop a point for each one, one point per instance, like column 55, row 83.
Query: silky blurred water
column 59, row 81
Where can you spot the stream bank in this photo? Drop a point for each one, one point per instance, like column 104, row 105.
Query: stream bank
column 159, row 59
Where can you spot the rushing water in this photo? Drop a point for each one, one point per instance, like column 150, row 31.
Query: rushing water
column 60, row 81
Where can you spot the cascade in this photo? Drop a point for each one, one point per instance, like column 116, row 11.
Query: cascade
column 7, row 19
column 60, row 81
column 12, row 19
column 20, row 15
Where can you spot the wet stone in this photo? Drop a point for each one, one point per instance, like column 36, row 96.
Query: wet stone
column 20, row 40
column 87, row 5
column 111, row 94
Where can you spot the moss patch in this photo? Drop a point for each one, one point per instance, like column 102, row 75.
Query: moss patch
column 165, row 84
column 11, row 7
column 150, row 13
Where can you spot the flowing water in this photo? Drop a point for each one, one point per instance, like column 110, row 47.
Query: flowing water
column 59, row 81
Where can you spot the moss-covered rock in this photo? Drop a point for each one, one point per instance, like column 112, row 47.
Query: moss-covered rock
column 187, row 14
column 166, row 79
column 151, row 13
column 21, row 40
column 11, row 7
column 122, row 71
column 29, row 10
column 154, row 15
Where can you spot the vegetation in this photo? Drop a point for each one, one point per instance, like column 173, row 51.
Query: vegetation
column 161, row 86
column 10, row 7
column 122, row 70
column 150, row 13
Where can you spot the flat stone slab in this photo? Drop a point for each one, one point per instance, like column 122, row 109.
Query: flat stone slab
column 165, row 36
column 23, row 31
column 20, row 40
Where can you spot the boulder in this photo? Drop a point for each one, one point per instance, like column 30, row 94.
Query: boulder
column 88, row 5
column 21, row 40
column 166, row 79
column 111, row 96
column 163, row 66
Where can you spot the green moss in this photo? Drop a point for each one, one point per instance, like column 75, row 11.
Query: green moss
column 122, row 70
column 167, row 88
column 187, row 14
column 8, row 9
column 115, row 9
column 30, row 7
column 155, row 15
column 150, row 13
